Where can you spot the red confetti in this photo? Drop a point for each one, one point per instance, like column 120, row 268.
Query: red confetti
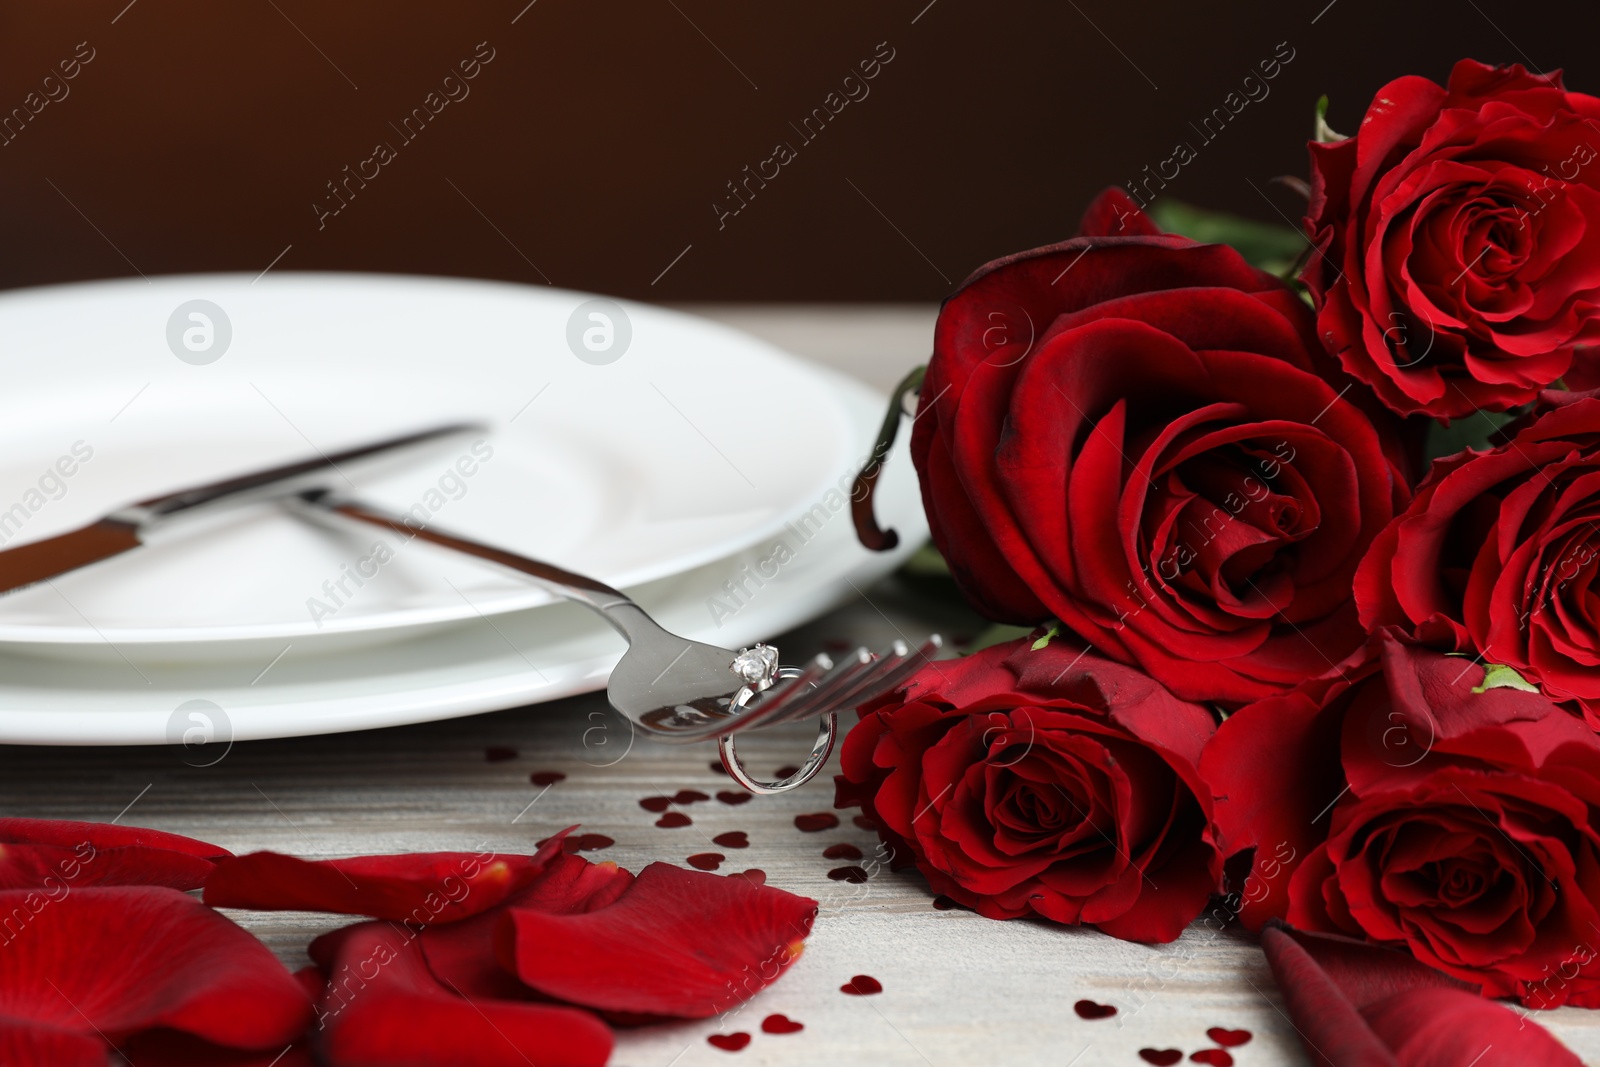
column 732, row 839
column 841, row 851
column 1228, row 1038
column 853, row 875
column 688, row 796
column 1214, row 1057
column 815, row 822
column 944, row 903
column 1161, row 1057
column 673, row 819
column 656, row 804
column 755, row 875
column 546, row 777
column 499, row 753
column 787, row 770
column 864, row 822
column 706, row 861
column 863, row 985
column 730, row 1042
column 586, row 843
column 1088, row 1009
column 728, row 797
column 781, row 1024
column 716, row 765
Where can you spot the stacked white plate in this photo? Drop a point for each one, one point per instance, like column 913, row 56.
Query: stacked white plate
column 702, row 470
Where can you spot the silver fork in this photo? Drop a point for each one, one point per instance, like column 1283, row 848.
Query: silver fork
column 677, row 690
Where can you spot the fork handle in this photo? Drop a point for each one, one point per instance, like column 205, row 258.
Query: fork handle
column 615, row 606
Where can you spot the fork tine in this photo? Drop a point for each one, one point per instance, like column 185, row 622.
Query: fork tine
column 797, row 704
column 881, row 674
column 785, row 693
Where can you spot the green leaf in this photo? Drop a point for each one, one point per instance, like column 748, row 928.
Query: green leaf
column 1469, row 431
column 997, row 634
column 926, row 562
column 1499, row 676
column 1323, row 132
column 1054, row 631
column 1266, row 245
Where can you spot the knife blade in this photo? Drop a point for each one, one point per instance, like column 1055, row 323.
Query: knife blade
column 125, row 528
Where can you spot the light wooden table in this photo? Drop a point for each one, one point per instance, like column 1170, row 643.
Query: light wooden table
column 958, row 989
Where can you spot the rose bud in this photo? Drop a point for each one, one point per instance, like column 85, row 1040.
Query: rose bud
column 1128, row 432
column 1459, row 267
column 1046, row 781
column 1406, row 803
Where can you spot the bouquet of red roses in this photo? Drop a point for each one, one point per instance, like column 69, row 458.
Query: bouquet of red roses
column 1282, row 658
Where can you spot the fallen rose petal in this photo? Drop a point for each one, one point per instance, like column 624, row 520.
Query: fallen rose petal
column 418, row 887
column 167, row 1049
column 119, row 961
column 38, row 853
column 1438, row 1027
column 25, row 1046
column 678, row 943
column 462, row 955
column 396, row 1014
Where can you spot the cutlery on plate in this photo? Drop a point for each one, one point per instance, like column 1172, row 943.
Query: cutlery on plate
column 126, row 528
column 674, row 689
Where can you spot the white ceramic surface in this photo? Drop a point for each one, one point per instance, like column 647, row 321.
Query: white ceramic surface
column 516, row 658
column 695, row 443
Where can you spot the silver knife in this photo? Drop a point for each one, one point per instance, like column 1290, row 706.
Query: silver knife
column 126, row 527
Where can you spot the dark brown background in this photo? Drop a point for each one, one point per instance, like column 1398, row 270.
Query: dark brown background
column 602, row 132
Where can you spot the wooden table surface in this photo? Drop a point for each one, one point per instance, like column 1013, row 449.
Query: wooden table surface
column 957, row 988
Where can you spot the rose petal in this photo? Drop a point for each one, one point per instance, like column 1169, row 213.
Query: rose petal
column 419, row 887
column 46, row 852
column 677, row 943
column 395, row 1014
column 123, row 960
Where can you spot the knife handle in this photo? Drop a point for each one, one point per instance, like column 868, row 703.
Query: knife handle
column 40, row 560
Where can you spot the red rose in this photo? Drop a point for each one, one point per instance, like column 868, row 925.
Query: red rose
column 1399, row 805
column 1048, row 781
column 1460, row 265
column 1499, row 555
column 1126, row 433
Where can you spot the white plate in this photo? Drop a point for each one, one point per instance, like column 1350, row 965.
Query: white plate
column 696, row 442
column 472, row 667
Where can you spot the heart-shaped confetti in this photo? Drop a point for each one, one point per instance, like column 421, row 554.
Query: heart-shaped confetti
column 730, row 1042
column 673, row 819
column 718, row 768
column 842, row 851
column 499, row 753
column 546, row 777
column 862, row 985
column 816, row 822
column 864, row 822
column 656, row 804
column 755, row 875
column 586, row 843
column 688, row 796
column 1228, row 1038
column 1088, row 1009
column 1161, row 1057
column 788, row 770
column 1212, row 1057
column 706, row 861
column 732, row 839
column 729, row 797
column 781, row 1024
column 852, row 874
